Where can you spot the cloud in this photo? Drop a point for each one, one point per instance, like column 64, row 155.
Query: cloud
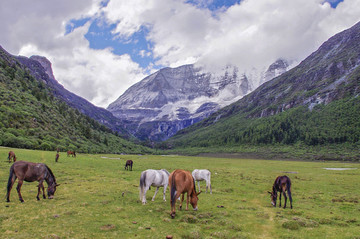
column 39, row 29
column 251, row 34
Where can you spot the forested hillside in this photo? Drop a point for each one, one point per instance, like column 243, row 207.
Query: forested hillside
column 32, row 117
column 315, row 103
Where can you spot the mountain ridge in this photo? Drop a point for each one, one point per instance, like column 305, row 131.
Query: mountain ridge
column 327, row 78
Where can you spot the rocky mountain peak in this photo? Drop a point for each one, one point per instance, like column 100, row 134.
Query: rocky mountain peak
column 44, row 63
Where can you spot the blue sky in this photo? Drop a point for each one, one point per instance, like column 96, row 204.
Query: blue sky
column 98, row 48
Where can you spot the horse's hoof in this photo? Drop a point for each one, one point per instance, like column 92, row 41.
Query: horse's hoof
column 7, row 200
column 38, row 198
column 21, row 200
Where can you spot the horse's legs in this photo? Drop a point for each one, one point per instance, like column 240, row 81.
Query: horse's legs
column 164, row 198
column 20, row 182
column 144, row 195
column 290, row 198
column 156, row 191
column 181, row 201
column 285, row 198
column 279, row 199
column 199, row 185
column 210, row 186
column 10, row 187
column 187, row 200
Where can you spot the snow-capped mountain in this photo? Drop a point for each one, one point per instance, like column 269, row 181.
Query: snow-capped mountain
column 174, row 98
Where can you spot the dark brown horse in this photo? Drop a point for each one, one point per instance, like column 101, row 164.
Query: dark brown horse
column 128, row 164
column 282, row 184
column 71, row 153
column 57, row 157
column 11, row 156
column 182, row 182
column 30, row 172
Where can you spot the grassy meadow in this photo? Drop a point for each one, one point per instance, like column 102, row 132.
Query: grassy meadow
column 97, row 198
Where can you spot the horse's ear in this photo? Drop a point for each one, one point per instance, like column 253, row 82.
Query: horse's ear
column 270, row 192
column 57, row 185
column 198, row 193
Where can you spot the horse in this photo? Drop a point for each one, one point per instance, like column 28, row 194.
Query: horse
column 182, row 182
column 71, row 153
column 200, row 175
column 282, row 184
column 11, row 156
column 128, row 164
column 156, row 178
column 57, row 157
column 30, row 172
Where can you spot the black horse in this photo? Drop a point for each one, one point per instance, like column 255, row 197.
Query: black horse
column 30, row 172
column 282, row 184
column 128, row 164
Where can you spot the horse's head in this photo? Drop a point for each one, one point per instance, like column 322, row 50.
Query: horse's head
column 51, row 190
column 273, row 197
column 194, row 199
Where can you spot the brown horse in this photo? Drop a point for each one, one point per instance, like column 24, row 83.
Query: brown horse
column 71, row 153
column 30, row 172
column 128, row 164
column 282, row 184
column 182, row 182
column 11, row 156
column 57, row 157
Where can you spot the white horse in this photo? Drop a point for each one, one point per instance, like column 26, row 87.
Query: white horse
column 156, row 178
column 200, row 175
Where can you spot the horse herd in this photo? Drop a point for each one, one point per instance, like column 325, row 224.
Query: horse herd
column 180, row 181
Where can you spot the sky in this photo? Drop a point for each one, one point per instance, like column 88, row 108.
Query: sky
column 99, row 48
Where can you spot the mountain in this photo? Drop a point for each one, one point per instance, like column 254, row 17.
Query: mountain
column 40, row 68
column 34, row 115
column 175, row 98
column 315, row 103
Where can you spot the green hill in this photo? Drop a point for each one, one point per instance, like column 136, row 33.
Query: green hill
column 32, row 117
column 314, row 104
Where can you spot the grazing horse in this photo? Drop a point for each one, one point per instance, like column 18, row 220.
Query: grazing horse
column 71, row 153
column 11, row 156
column 281, row 184
column 156, row 178
column 128, row 164
column 30, row 172
column 182, row 182
column 57, row 157
column 200, row 175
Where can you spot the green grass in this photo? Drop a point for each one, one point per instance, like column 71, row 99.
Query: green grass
column 97, row 198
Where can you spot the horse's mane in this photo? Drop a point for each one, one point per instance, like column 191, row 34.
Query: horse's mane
column 51, row 173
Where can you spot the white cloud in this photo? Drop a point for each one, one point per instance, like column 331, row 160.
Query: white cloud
column 252, row 33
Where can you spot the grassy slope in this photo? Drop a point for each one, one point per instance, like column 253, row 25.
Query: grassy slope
column 31, row 117
column 89, row 202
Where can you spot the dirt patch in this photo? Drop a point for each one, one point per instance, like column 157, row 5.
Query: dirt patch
column 108, row 227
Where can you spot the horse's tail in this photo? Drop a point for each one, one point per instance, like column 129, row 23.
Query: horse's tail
column 173, row 191
column 10, row 181
column 142, row 184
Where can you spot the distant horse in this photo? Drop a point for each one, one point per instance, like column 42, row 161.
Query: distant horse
column 200, row 175
column 128, row 165
column 281, row 184
column 155, row 178
column 11, row 156
column 30, row 172
column 57, row 157
column 71, row 153
column 182, row 182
